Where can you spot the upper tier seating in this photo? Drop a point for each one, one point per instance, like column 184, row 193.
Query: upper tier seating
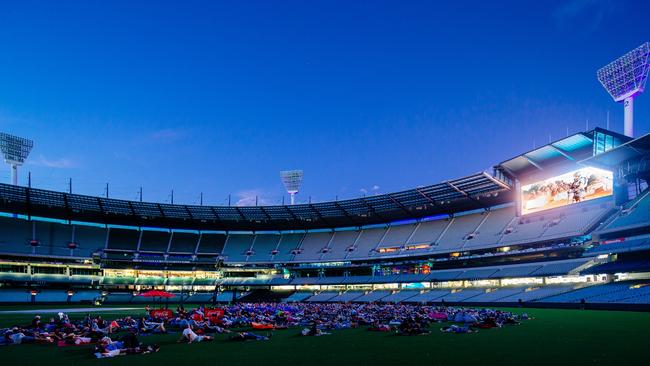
column 53, row 238
column 366, row 242
column 634, row 214
column 237, row 247
column 311, row 248
column 263, row 247
column 210, row 243
column 428, row 232
column 288, row 244
column 396, row 236
column 473, row 231
column 557, row 223
column 123, row 239
column 340, row 243
column 461, row 226
column 491, row 231
column 154, row 241
column 183, row 242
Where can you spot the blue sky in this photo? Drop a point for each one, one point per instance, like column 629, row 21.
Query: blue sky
column 366, row 97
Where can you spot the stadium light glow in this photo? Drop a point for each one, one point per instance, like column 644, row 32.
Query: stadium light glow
column 15, row 151
column 292, row 179
column 625, row 78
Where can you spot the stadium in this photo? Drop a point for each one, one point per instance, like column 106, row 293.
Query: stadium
column 550, row 245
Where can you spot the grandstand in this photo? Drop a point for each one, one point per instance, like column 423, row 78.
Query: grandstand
column 468, row 240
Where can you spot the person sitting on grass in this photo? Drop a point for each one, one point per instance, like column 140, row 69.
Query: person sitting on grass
column 189, row 336
column 411, row 327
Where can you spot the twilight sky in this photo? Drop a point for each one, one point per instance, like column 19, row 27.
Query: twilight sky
column 366, row 97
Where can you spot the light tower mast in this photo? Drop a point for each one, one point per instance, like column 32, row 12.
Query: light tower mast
column 292, row 179
column 15, row 151
column 625, row 78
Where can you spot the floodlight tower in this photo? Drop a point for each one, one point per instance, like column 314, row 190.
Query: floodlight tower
column 15, row 151
column 625, row 78
column 292, row 179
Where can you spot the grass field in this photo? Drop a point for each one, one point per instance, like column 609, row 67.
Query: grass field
column 554, row 337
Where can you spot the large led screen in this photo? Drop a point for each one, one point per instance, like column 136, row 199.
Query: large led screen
column 577, row 186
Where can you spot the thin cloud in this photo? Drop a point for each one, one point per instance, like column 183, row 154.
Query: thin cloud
column 60, row 163
column 374, row 190
column 167, row 135
column 586, row 14
column 249, row 196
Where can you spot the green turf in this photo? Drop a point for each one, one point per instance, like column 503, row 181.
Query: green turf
column 554, row 337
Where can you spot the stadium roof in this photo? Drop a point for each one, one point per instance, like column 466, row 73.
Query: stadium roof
column 469, row 193
column 570, row 149
column 633, row 149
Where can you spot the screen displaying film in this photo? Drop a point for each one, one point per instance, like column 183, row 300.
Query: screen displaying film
column 577, row 186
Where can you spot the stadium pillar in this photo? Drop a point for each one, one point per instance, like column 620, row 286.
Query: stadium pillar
column 628, row 106
column 14, row 174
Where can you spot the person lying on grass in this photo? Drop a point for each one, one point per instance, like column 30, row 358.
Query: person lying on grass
column 106, row 347
column 458, row 329
column 189, row 336
column 313, row 331
column 248, row 336
column 145, row 326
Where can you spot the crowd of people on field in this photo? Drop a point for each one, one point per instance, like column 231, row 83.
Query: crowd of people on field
column 121, row 336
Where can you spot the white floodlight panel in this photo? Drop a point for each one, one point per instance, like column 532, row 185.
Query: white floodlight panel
column 627, row 75
column 292, row 179
column 15, row 149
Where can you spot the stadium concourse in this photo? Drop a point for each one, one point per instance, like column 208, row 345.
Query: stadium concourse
column 564, row 225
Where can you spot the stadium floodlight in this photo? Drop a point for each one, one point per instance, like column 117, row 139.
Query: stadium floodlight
column 292, row 179
column 15, row 150
column 625, row 78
